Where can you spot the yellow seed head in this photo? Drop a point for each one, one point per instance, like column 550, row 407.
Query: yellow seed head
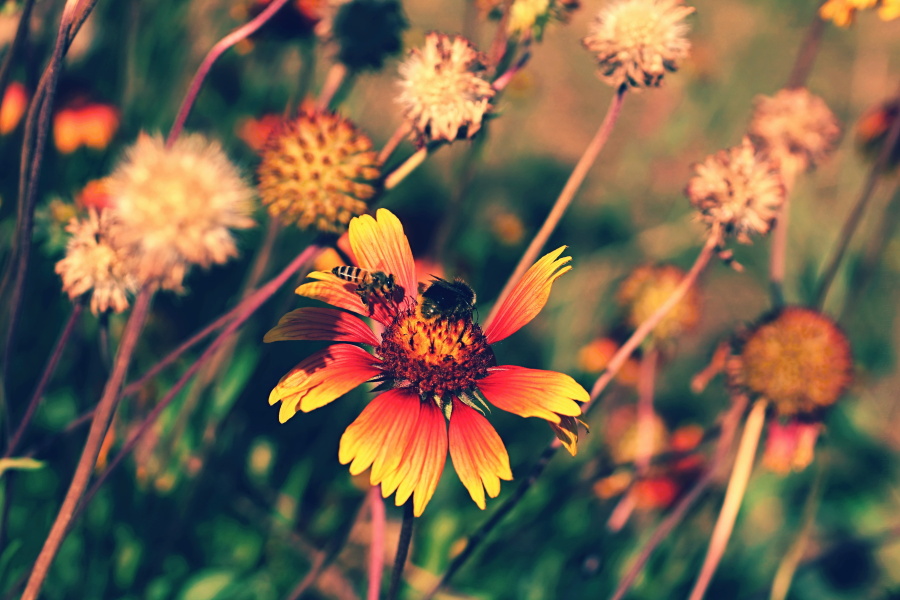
column 648, row 288
column 318, row 171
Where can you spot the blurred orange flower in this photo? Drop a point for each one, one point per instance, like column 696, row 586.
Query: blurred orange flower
column 15, row 101
column 92, row 125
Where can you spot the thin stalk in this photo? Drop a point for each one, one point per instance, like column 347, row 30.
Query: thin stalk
column 878, row 243
column 855, row 216
column 376, row 548
column 248, row 308
column 336, row 76
column 18, row 41
column 481, row 534
column 238, row 35
column 254, row 299
column 778, row 250
column 37, row 124
column 781, row 583
column 565, row 198
column 622, row 354
column 806, row 55
column 662, row 531
column 401, row 132
column 408, row 166
column 324, row 558
column 50, row 367
column 734, row 496
column 646, row 416
column 99, row 425
column 406, row 530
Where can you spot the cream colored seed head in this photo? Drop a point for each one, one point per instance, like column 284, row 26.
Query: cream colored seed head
column 637, row 41
column 442, row 93
column 175, row 207
column 737, row 192
column 96, row 265
column 794, row 127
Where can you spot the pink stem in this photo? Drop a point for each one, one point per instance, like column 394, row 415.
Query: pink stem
column 239, row 34
column 376, row 550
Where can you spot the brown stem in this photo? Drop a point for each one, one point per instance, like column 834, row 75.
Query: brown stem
column 565, row 198
column 52, row 362
column 406, row 530
column 806, row 55
column 99, row 425
column 855, row 216
column 238, row 35
column 622, row 354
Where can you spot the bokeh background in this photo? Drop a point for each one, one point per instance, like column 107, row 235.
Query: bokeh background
column 222, row 502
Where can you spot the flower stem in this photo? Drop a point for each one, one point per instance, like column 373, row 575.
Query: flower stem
column 376, row 548
column 481, row 534
column 248, row 307
column 17, row 42
column 401, row 132
column 239, row 34
column 645, row 413
column 406, row 530
column 565, row 198
column 806, row 55
column 254, row 299
column 734, row 495
column 662, row 531
column 52, row 362
column 37, row 124
column 336, row 76
column 855, row 216
column 408, row 166
column 781, row 583
column 622, row 354
column 778, row 250
column 99, row 425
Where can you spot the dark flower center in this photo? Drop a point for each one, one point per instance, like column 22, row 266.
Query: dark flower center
column 436, row 356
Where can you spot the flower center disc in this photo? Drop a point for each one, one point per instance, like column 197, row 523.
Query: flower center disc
column 435, row 356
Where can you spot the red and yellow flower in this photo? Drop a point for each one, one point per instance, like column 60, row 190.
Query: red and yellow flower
column 431, row 370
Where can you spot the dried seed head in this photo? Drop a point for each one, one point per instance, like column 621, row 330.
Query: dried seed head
column 737, row 191
column 442, row 92
column 637, row 41
column 798, row 359
column 648, row 288
column 794, row 127
column 175, row 207
column 96, row 264
column 318, row 170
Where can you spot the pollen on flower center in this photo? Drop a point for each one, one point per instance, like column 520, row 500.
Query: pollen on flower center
column 435, row 356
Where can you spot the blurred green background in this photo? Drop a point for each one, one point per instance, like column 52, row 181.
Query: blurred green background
column 221, row 502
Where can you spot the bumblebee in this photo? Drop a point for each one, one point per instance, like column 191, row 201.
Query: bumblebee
column 369, row 284
column 447, row 300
